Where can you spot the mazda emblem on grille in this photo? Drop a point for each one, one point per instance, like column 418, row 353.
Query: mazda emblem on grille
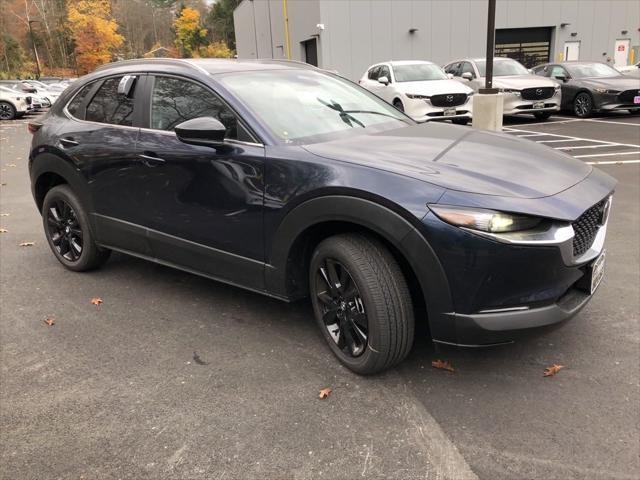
column 449, row 98
column 539, row 91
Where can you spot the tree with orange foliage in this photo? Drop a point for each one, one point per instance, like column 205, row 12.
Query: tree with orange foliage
column 94, row 31
column 189, row 34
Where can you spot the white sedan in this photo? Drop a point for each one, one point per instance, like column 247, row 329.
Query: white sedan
column 420, row 89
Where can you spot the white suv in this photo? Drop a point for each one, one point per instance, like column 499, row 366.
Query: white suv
column 420, row 89
column 13, row 104
column 523, row 92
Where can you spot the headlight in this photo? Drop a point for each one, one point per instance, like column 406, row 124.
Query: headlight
column 419, row 97
column 510, row 90
column 606, row 90
column 484, row 220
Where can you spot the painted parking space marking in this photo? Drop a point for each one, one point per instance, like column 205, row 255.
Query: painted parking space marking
column 637, row 152
column 613, row 162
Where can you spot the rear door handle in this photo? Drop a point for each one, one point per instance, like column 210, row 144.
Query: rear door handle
column 68, row 142
column 150, row 160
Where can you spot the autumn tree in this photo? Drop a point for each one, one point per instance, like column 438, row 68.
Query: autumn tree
column 94, row 31
column 190, row 35
column 216, row 50
column 220, row 22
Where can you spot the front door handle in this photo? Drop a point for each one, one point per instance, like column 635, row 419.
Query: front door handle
column 150, row 160
column 68, row 142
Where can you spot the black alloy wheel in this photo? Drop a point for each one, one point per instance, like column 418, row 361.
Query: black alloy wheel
column 361, row 302
column 66, row 226
column 64, row 230
column 583, row 105
column 7, row 111
column 343, row 311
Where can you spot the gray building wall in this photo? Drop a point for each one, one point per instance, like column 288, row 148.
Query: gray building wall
column 358, row 33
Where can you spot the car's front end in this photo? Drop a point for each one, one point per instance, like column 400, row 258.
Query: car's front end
column 519, row 99
column 509, row 273
column 449, row 106
column 611, row 99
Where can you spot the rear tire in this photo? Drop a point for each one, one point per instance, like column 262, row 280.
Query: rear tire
column 7, row 111
column 583, row 105
column 66, row 226
column 398, row 104
column 361, row 302
column 542, row 115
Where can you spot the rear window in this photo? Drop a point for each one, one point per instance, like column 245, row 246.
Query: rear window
column 74, row 107
column 107, row 106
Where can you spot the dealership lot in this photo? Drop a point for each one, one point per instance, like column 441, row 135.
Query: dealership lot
column 175, row 376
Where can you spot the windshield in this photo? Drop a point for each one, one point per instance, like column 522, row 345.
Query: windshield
column 591, row 70
column 306, row 106
column 418, row 72
column 502, row 67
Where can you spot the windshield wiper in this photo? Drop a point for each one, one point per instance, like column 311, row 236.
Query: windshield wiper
column 373, row 112
column 344, row 116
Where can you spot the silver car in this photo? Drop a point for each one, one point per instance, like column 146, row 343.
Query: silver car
column 523, row 92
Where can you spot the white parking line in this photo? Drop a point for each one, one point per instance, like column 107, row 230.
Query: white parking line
column 613, row 122
column 607, row 154
column 574, row 147
column 613, row 162
column 568, row 137
column 531, row 135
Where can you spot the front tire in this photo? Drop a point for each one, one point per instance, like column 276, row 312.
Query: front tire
column 361, row 302
column 7, row 111
column 542, row 115
column 583, row 105
column 66, row 226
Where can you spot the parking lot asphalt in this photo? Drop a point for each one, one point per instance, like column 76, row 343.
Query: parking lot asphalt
column 176, row 376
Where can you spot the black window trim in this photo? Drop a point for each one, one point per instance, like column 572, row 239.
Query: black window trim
column 145, row 124
column 135, row 122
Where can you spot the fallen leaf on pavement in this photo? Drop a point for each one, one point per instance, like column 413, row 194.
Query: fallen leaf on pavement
column 10, row 165
column 27, row 244
column 4, row 214
column 50, row 322
column 325, row 392
column 4, row 230
column 96, row 301
column 442, row 365
column 552, row 370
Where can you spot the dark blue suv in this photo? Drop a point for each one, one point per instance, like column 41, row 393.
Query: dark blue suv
column 293, row 182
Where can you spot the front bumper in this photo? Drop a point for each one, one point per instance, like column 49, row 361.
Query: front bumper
column 423, row 111
column 500, row 287
column 514, row 104
column 607, row 102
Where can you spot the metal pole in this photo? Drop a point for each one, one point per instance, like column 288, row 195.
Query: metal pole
column 33, row 44
column 491, row 40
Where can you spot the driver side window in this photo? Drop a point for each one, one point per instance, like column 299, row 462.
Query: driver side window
column 384, row 72
column 467, row 68
column 557, row 71
column 175, row 100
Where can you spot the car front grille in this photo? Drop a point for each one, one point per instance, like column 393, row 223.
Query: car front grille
column 448, row 99
column 628, row 95
column 586, row 226
column 539, row 93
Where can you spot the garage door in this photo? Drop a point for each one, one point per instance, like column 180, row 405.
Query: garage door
column 529, row 46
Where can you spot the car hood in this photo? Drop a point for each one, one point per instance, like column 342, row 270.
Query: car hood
column 433, row 87
column 519, row 82
column 461, row 159
column 614, row 83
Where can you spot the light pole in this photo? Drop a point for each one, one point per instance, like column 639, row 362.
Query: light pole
column 33, row 44
column 488, row 103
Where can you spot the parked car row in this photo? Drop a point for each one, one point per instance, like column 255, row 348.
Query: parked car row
column 18, row 97
column 426, row 92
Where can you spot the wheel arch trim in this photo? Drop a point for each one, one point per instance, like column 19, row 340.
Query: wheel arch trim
column 386, row 223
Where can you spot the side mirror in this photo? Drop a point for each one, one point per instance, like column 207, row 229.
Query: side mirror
column 562, row 78
column 205, row 131
column 467, row 76
column 384, row 80
column 449, row 76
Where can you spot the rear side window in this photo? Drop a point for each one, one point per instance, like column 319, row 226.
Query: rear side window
column 175, row 101
column 74, row 105
column 107, row 106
